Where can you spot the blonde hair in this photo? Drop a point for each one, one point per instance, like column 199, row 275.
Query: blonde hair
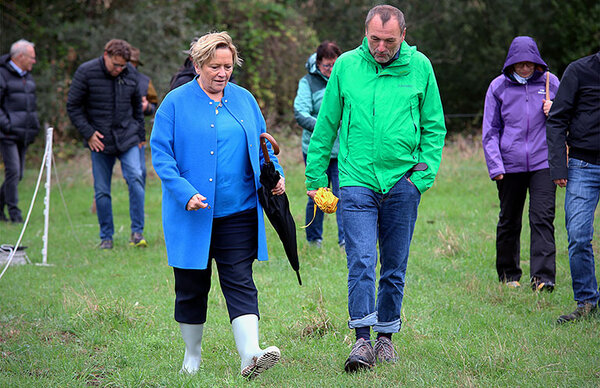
column 204, row 49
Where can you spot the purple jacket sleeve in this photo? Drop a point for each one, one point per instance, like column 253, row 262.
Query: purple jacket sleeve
column 492, row 128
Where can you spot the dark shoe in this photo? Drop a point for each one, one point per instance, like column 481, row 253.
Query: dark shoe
column 106, row 244
column 16, row 219
column 581, row 312
column 538, row 285
column 384, row 350
column 137, row 240
column 361, row 356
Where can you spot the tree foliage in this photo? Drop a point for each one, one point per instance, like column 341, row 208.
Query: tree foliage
column 466, row 40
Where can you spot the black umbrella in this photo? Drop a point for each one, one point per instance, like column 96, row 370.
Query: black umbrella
column 277, row 207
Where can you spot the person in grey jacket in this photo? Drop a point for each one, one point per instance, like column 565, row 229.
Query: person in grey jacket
column 19, row 122
column 306, row 109
column 105, row 105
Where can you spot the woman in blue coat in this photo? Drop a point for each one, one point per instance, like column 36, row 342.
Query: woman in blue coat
column 205, row 149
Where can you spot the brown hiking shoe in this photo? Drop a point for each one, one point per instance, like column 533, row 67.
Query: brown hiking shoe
column 384, row 350
column 581, row 312
column 361, row 356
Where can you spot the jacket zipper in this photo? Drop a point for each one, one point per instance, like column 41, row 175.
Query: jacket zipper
column 527, row 129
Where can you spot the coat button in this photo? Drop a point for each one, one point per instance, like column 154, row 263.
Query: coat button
column 210, row 179
column 209, row 206
column 225, row 100
column 210, row 103
column 242, row 121
column 212, row 152
column 212, row 125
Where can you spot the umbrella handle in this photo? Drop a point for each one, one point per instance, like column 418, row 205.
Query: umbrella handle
column 547, row 85
column 263, row 145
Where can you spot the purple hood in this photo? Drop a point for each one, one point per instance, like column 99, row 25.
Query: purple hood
column 523, row 49
column 514, row 124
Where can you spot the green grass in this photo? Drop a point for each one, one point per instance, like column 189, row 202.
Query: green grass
column 99, row 318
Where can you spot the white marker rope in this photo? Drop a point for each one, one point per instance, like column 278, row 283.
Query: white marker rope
column 37, row 186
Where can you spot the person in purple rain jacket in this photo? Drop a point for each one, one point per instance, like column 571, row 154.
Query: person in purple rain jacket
column 516, row 153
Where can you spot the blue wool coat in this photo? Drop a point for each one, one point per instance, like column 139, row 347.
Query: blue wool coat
column 184, row 155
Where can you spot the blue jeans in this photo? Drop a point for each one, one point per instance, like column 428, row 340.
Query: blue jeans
column 581, row 200
column 102, row 167
column 390, row 218
column 315, row 231
column 143, row 163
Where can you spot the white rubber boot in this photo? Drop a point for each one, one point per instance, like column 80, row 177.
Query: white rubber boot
column 254, row 359
column 192, row 336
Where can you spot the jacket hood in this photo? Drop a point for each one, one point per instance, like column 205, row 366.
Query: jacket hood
column 4, row 62
column 311, row 66
column 523, row 49
column 406, row 52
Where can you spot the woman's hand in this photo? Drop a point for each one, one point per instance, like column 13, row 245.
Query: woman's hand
column 196, row 203
column 560, row 182
column 547, row 105
column 279, row 187
column 498, row 177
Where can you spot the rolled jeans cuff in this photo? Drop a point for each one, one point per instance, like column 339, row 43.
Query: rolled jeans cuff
column 387, row 327
column 367, row 321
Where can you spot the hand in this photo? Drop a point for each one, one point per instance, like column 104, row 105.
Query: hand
column 311, row 193
column 145, row 103
column 196, row 203
column 140, row 145
column 498, row 177
column 547, row 105
column 560, row 182
column 279, row 187
column 95, row 143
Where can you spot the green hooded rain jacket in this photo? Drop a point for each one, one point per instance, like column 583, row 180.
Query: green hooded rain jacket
column 391, row 119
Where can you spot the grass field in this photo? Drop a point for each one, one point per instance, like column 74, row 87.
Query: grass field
column 105, row 318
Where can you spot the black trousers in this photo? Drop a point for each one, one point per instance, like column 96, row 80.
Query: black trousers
column 512, row 191
column 13, row 155
column 234, row 247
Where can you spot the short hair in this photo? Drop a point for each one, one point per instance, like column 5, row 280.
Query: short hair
column 20, row 47
column 328, row 50
column 204, row 49
column 386, row 12
column 135, row 55
column 118, row 48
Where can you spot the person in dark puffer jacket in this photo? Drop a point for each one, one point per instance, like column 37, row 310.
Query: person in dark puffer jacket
column 105, row 105
column 18, row 121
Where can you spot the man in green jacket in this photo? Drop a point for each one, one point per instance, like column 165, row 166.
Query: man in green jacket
column 391, row 137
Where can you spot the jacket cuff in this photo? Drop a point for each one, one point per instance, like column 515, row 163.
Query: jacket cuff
column 559, row 173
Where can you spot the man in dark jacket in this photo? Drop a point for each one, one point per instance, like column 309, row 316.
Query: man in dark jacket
column 105, row 105
column 574, row 120
column 18, row 121
column 186, row 72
